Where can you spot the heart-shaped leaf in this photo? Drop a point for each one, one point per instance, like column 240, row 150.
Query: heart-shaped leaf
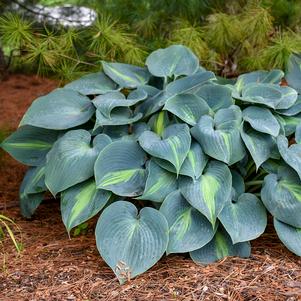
column 29, row 145
column 216, row 96
column 290, row 236
column 125, row 75
column 158, row 122
column 220, row 247
column 173, row 147
column 130, row 243
column 71, row 159
column 259, row 145
column 81, row 202
column 188, row 228
column 187, row 107
column 293, row 110
column 174, row 60
column 244, row 219
column 210, row 193
column 119, row 168
column 281, row 195
column 262, row 120
column 94, row 83
column 159, row 183
column 290, row 154
column 193, row 165
column 60, row 109
column 220, row 137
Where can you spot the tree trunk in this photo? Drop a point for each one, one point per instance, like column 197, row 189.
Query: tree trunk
column 2, row 64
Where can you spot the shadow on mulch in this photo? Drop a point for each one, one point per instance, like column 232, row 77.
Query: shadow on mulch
column 53, row 267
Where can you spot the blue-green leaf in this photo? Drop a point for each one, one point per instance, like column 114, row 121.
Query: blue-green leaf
column 159, row 183
column 290, row 154
column 125, row 75
column 81, row 202
column 259, row 145
column 71, row 159
column 60, row 109
column 94, row 83
column 262, row 120
column 173, row 147
column 174, row 60
column 269, row 77
column 220, row 137
column 293, row 110
column 187, row 107
column 244, row 219
column 158, row 122
column 130, row 243
column 216, row 96
column 193, row 165
column 210, row 193
column 119, row 168
column 290, row 236
column 281, row 194
column 29, row 145
column 188, row 228
column 293, row 72
column 220, row 247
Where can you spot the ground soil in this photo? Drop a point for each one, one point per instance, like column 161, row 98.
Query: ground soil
column 54, row 267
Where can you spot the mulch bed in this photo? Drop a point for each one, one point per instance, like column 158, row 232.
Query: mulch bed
column 54, row 267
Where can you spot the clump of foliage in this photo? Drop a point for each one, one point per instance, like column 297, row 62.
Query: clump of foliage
column 229, row 38
column 176, row 159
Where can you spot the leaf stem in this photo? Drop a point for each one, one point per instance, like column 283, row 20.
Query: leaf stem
column 253, row 183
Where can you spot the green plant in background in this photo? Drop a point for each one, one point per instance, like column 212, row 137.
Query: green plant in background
column 228, row 38
column 177, row 160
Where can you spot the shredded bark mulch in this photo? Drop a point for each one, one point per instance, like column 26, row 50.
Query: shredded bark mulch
column 54, row 267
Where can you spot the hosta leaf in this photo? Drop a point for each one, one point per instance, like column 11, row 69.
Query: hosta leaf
column 60, row 109
column 288, row 99
column 281, row 194
column 259, row 145
column 71, row 159
column 298, row 134
column 216, row 96
column 81, row 202
column 220, row 137
column 290, row 236
column 293, row 110
column 270, row 77
column 121, row 116
column 193, row 165
column 106, row 103
column 220, row 247
column 173, row 147
column 291, row 155
column 130, row 243
column 187, row 107
column 188, row 228
column 293, row 72
column 262, row 120
column 119, row 168
column 210, row 192
column 237, row 182
column 159, row 183
column 158, row 122
column 289, row 123
column 174, row 60
column 188, row 84
column 29, row 145
column 125, row 75
column 32, row 190
column 95, row 83
column 245, row 219
column 265, row 94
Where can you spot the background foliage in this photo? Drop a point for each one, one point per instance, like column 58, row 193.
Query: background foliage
column 228, row 38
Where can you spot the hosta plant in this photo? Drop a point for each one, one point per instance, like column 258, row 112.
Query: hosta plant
column 175, row 159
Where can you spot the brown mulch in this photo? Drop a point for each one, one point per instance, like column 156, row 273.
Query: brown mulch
column 54, row 267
